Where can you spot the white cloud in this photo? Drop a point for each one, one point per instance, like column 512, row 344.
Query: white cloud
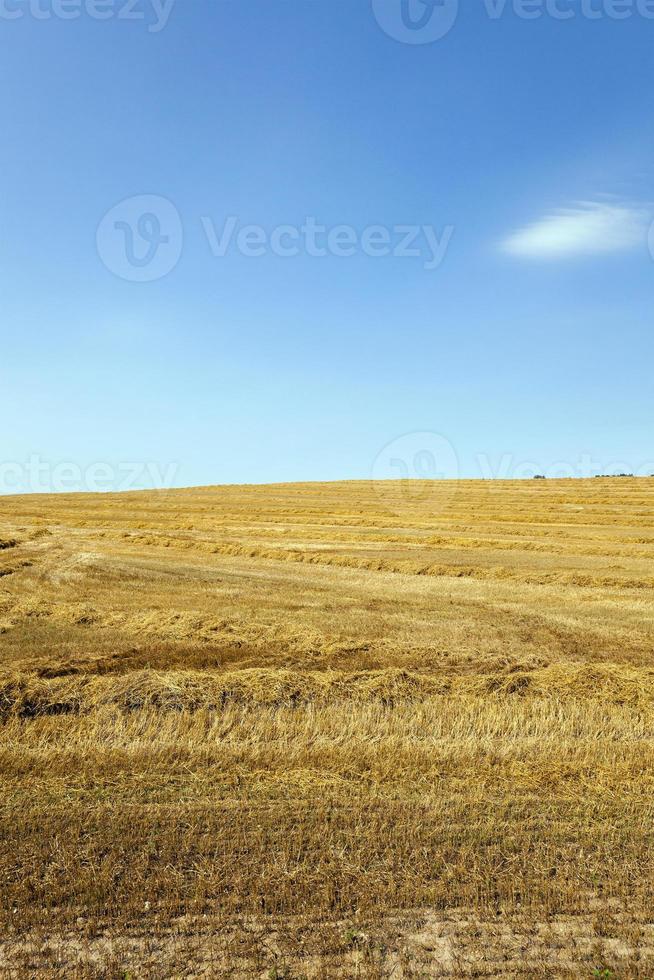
column 587, row 229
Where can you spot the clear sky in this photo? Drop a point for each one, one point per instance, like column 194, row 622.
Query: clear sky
column 514, row 153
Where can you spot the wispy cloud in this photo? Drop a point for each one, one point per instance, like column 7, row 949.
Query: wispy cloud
column 586, row 229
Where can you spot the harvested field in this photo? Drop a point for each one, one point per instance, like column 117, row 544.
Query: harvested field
column 329, row 730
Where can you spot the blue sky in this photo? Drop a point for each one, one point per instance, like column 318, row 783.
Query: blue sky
column 524, row 146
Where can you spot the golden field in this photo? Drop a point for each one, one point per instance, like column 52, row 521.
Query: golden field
column 329, row 730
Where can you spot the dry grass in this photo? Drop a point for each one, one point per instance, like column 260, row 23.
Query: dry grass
column 329, row 730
